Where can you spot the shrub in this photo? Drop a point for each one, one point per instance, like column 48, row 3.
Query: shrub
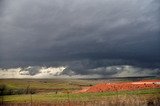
column 2, row 89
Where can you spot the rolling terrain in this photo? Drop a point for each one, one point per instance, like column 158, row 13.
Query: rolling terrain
column 80, row 92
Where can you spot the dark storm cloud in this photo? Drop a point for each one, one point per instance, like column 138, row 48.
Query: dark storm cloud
column 81, row 34
column 115, row 71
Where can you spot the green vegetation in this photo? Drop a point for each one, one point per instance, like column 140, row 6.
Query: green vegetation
column 45, row 83
column 48, row 97
column 37, row 91
column 26, row 86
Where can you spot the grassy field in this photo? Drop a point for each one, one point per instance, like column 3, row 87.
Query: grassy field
column 51, row 97
column 45, row 83
column 38, row 91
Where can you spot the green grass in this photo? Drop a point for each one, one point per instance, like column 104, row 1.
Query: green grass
column 50, row 97
column 46, row 91
column 45, row 83
column 24, row 86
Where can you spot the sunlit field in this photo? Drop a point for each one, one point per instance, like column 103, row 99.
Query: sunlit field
column 63, row 92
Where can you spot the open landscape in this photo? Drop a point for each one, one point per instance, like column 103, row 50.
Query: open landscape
column 79, row 52
column 80, row 92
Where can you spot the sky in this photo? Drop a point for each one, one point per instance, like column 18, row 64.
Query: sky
column 79, row 38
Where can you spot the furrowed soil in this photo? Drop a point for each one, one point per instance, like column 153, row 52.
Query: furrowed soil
column 123, row 86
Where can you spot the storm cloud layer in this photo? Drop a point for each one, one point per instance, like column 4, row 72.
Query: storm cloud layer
column 82, row 35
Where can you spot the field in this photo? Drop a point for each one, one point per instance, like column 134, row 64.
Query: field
column 68, row 92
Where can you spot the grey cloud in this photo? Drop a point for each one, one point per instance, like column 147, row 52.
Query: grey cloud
column 31, row 70
column 85, row 67
column 100, row 72
column 115, row 71
column 81, row 34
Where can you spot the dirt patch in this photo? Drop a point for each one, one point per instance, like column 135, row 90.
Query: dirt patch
column 84, row 89
column 146, row 84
